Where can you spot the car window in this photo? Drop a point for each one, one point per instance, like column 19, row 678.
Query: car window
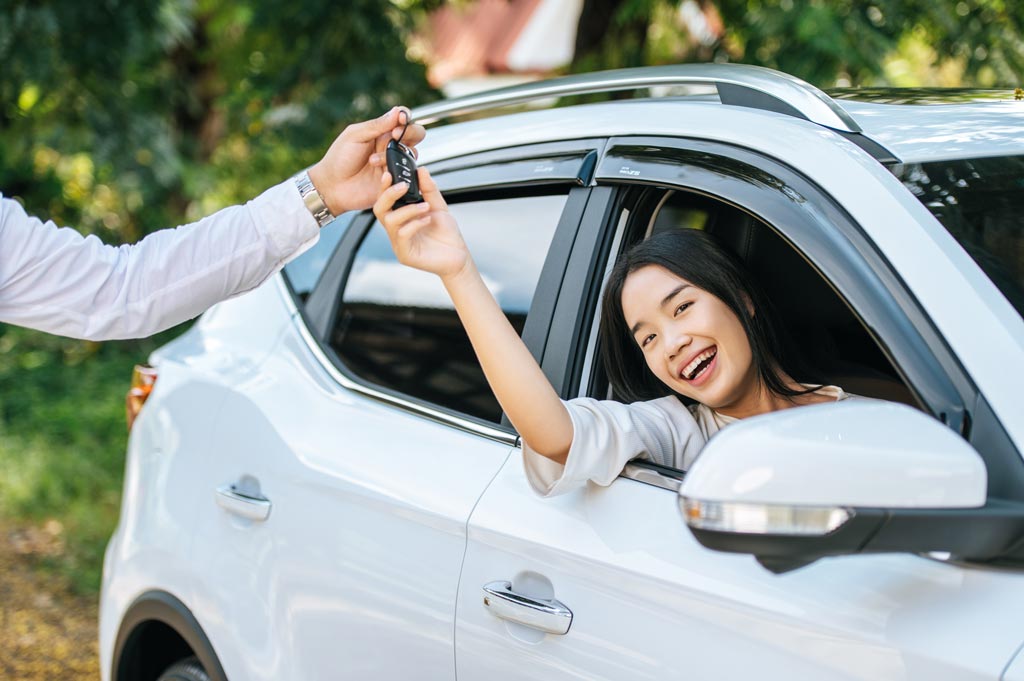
column 820, row 332
column 303, row 272
column 981, row 202
column 396, row 326
column 847, row 311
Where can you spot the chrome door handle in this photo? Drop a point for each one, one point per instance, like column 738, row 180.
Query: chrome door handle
column 252, row 507
column 547, row 615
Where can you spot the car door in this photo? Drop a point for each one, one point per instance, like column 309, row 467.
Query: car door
column 617, row 566
column 350, row 459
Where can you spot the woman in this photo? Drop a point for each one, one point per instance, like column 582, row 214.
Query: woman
column 680, row 318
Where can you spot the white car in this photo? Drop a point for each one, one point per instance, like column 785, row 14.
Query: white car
column 322, row 486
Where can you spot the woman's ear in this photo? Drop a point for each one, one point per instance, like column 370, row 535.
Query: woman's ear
column 750, row 305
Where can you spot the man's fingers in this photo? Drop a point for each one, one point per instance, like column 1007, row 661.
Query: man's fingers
column 414, row 134
column 380, row 145
column 429, row 189
column 368, row 131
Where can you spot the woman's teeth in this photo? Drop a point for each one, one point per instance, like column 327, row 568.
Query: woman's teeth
column 699, row 364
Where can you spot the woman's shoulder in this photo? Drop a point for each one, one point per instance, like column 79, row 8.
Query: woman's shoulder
column 669, row 405
column 838, row 394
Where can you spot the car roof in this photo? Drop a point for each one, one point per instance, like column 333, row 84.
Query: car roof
column 956, row 124
column 918, row 133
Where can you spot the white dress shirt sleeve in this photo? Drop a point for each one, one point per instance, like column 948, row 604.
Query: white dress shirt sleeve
column 608, row 434
column 57, row 280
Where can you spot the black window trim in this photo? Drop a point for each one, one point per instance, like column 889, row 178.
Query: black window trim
column 325, row 299
column 575, row 315
column 352, row 217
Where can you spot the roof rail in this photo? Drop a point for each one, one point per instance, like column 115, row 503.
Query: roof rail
column 738, row 84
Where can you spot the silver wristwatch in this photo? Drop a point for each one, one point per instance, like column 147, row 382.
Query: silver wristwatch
column 311, row 197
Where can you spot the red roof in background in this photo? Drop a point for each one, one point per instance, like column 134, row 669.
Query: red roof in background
column 481, row 37
column 475, row 40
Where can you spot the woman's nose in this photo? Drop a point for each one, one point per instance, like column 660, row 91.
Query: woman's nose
column 678, row 340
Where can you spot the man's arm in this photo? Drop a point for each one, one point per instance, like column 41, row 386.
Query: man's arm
column 58, row 281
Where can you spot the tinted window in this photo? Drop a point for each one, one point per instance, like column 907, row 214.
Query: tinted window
column 303, row 272
column 981, row 203
column 396, row 326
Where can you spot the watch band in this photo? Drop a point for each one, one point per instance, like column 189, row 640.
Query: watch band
column 311, row 197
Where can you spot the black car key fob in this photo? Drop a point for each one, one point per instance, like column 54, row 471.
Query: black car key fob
column 402, row 167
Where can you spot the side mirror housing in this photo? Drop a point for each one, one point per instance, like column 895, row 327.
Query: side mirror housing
column 835, row 479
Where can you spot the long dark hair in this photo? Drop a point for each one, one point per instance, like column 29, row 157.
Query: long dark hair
column 699, row 259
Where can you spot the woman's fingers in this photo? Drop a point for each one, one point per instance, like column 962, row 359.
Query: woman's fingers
column 428, row 188
column 400, row 216
column 410, row 228
column 389, row 194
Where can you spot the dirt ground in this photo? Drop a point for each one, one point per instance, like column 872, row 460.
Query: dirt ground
column 47, row 633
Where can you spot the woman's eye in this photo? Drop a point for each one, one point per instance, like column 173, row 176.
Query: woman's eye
column 682, row 307
column 647, row 339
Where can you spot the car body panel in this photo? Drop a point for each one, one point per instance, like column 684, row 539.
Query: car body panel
column 356, row 568
column 151, row 549
column 649, row 602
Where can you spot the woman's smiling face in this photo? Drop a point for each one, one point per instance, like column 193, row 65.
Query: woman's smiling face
column 691, row 340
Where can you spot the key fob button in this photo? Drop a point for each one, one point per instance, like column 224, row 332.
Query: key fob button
column 402, row 167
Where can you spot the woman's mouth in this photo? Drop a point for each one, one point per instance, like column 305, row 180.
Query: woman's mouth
column 699, row 368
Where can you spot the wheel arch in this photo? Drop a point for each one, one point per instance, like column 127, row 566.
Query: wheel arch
column 156, row 631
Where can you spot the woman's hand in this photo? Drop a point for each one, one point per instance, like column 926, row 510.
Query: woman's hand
column 423, row 235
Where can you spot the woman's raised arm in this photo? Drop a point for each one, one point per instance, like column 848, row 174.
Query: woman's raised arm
column 425, row 236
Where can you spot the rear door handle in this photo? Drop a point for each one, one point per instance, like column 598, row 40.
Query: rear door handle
column 253, row 507
column 550, row 616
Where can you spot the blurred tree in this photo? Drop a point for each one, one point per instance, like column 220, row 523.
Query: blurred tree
column 125, row 116
column 612, row 34
column 132, row 115
column 848, row 40
column 826, row 42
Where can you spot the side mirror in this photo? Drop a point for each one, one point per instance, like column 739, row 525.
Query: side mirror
column 835, row 479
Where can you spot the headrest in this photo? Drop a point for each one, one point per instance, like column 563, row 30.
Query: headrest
column 792, row 284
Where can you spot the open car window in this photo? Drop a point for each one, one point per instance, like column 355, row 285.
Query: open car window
column 396, row 327
column 820, row 326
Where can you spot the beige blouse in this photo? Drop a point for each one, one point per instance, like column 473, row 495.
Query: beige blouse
column 608, row 434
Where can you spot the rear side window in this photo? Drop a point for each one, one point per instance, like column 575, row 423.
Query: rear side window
column 981, row 203
column 396, row 327
column 303, row 272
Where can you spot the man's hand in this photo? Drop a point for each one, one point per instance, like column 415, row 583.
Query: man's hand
column 348, row 176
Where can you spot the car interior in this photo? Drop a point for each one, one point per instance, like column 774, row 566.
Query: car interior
column 828, row 333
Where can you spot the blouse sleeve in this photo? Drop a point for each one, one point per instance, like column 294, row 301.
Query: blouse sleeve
column 57, row 280
column 608, row 434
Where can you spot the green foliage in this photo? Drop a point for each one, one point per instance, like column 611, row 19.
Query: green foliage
column 823, row 42
column 63, row 438
column 137, row 114
column 127, row 116
column 826, row 42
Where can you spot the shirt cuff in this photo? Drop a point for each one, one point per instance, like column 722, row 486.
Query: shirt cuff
column 282, row 218
column 547, row 477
